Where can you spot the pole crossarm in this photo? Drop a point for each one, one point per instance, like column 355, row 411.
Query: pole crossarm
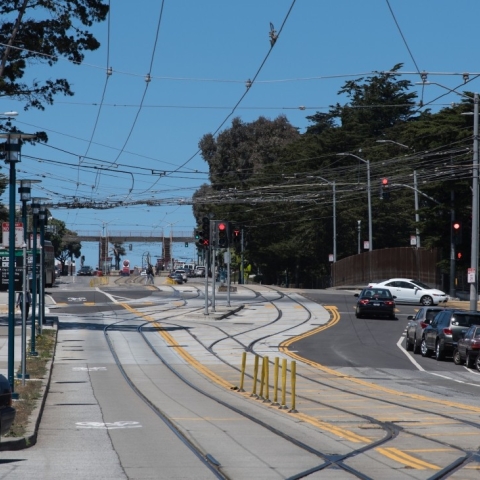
column 416, row 190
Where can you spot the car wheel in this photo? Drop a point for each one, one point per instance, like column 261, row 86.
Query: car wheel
column 469, row 361
column 439, row 353
column 426, row 300
column 457, row 359
column 416, row 346
column 408, row 344
column 426, row 352
column 357, row 313
column 477, row 363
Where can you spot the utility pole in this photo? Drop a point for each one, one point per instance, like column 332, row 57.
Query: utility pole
column 474, row 252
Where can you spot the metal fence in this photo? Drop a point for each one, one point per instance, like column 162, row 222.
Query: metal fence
column 377, row 265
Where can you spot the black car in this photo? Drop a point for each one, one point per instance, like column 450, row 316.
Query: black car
column 7, row 412
column 468, row 348
column 378, row 302
column 88, row 271
column 442, row 335
column 417, row 325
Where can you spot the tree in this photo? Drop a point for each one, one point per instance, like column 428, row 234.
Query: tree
column 118, row 252
column 65, row 244
column 42, row 32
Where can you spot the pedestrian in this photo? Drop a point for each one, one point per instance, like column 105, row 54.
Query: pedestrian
column 150, row 274
column 28, row 301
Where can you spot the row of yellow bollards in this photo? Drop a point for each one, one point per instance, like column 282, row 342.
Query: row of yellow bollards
column 264, row 392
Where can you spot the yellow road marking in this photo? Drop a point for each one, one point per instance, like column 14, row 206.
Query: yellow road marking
column 335, row 319
column 185, row 355
column 405, row 459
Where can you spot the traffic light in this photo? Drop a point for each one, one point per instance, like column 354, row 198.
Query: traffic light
column 459, row 255
column 385, row 189
column 236, row 233
column 206, row 231
column 456, row 232
column 222, row 234
column 186, row 244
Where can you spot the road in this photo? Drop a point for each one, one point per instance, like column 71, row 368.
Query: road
column 146, row 386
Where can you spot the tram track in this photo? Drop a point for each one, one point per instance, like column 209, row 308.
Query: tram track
column 391, row 430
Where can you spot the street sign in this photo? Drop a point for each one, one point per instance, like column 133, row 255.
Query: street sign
column 4, row 268
column 18, row 234
column 471, row 275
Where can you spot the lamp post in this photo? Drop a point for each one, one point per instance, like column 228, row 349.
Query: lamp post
column 367, row 162
column 36, row 206
column 25, row 196
column 473, row 276
column 334, row 213
column 12, row 149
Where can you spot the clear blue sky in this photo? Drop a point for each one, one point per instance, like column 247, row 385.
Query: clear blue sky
column 199, row 63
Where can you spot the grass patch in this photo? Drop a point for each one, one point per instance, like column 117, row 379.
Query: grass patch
column 30, row 393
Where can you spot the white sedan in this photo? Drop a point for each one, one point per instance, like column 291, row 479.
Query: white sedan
column 408, row 290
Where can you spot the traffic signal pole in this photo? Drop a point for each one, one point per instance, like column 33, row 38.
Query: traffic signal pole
column 206, row 263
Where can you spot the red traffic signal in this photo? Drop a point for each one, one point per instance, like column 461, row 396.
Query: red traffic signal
column 384, row 182
column 459, row 255
column 456, row 226
column 222, row 227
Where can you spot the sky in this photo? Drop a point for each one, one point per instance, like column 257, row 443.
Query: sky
column 122, row 138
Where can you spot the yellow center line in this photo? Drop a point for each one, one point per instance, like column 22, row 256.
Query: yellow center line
column 184, row 354
column 335, row 319
column 405, row 459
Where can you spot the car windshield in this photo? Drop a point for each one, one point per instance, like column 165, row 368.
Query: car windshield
column 421, row 285
column 376, row 292
column 462, row 320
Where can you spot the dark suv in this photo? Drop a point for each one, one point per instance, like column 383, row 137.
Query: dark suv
column 442, row 335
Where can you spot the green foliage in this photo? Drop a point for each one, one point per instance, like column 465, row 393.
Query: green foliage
column 45, row 31
column 278, row 185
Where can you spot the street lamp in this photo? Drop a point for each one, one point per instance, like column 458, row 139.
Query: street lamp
column 473, row 277
column 25, row 190
column 370, row 239
column 37, row 208
column 334, row 215
column 12, row 149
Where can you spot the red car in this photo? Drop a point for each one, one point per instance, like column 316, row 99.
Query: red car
column 468, row 348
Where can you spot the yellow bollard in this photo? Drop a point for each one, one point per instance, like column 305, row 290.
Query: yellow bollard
column 284, row 383
column 267, row 394
column 293, row 368
column 242, row 371
column 275, row 382
column 262, row 378
column 255, row 375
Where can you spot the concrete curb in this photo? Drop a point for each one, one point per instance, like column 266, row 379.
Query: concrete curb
column 30, row 437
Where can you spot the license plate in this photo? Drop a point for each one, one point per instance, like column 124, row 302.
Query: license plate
column 376, row 304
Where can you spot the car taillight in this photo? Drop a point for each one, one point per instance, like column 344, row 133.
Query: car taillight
column 423, row 324
column 475, row 344
column 364, row 302
column 447, row 331
column 388, row 303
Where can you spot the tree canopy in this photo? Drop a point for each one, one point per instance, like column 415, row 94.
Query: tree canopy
column 278, row 184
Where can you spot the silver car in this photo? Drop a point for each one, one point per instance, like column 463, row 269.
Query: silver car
column 416, row 326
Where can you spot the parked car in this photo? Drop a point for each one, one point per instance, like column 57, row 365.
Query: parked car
column 199, row 272
column 183, row 273
column 88, row 271
column 375, row 302
column 443, row 333
column 7, row 412
column 57, row 271
column 468, row 348
column 417, row 325
column 176, row 276
column 412, row 291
